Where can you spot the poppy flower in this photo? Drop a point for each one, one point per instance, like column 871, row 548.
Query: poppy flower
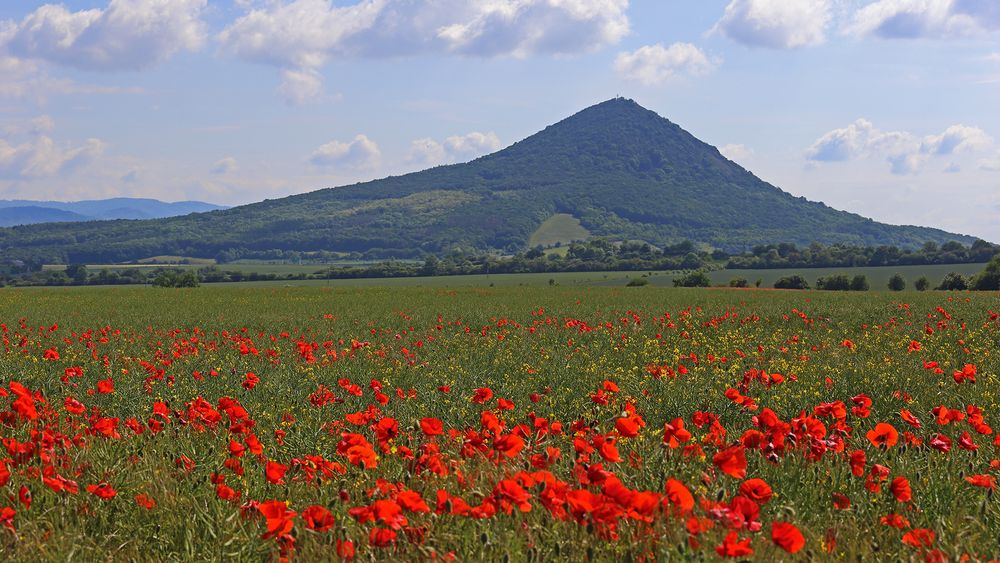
column 679, row 496
column 756, row 490
column 884, row 434
column 280, row 520
column 733, row 546
column 102, row 490
column 732, row 461
column 431, row 427
column 482, row 395
column 24, row 495
column 274, row 472
column 106, row 386
column 145, row 501
column 317, row 518
column 381, row 537
column 841, row 501
column 787, row 537
column 7, row 515
column 919, row 537
column 900, row 488
column 984, row 480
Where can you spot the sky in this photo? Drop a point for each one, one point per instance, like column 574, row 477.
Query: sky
column 887, row 108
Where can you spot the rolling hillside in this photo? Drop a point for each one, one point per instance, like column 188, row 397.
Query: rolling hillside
column 621, row 170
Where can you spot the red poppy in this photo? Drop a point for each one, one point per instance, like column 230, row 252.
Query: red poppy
column 732, row 461
column 841, row 501
column 756, row 490
column 7, row 515
column 787, row 537
column 102, row 490
column 381, row 537
column 919, row 537
column 275, row 472
column 280, row 520
column 900, row 488
column 983, row 480
column 679, row 496
column 412, row 501
column 482, row 395
column 317, row 518
column 145, row 501
column 884, row 434
column 106, row 386
column 431, row 427
column 733, row 546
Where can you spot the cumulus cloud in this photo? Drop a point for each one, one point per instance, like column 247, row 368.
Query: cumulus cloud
column 224, row 166
column 126, row 35
column 654, row 64
column 24, row 79
column 735, row 152
column 361, row 152
column 300, row 36
column 33, row 154
column 776, row 24
column 911, row 19
column 456, row 148
column 905, row 152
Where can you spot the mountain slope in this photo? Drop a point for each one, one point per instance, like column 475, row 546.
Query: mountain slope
column 31, row 214
column 622, row 170
column 24, row 212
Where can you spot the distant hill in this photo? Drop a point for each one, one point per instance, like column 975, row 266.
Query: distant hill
column 28, row 212
column 619, row 170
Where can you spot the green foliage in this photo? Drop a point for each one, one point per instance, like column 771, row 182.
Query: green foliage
column 637, row 282
column 859, row 283
column 622, row 171
column 896, row 283
column 953, row 281
column 988, row 279
column 693, row 279
column 836, row 282
column 922, row 284
column 175, row 278
column 739, row 282
column 791, row 282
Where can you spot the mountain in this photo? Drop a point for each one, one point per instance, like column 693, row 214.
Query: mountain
column 619, row 170
column 28, row 212
column 31, row 214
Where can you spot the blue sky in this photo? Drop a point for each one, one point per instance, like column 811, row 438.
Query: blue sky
column 881, row 107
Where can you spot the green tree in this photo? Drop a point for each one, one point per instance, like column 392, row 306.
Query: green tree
column 859, row 283
column 897, row 283
column 988, row 279
column 954, row 281
column 922, row 283
column 694, row 279
column 791, row 282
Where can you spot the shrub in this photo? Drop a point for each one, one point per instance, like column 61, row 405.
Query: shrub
column 637, row 282
column 791, row 282
column 954, row 281
column 859, row 283
column 694, row 279
column 739, row 282
column 836, row 282
column 988, row 279
column 897, row 283
column 922, row 284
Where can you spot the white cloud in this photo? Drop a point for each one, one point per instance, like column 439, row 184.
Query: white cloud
column 776, row 24
column 905, row 152
column 33, row 154
column 300, row 86
column 911, row 19
column 225, row 166
column 991, row 163
column 127, row 35
column 654, row 64
column 23, row 79
column 456, row 148
column 300, row 36
column 736, row 153
column 362, row 152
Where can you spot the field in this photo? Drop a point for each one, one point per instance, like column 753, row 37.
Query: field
column 503, row 423
column 561, row 227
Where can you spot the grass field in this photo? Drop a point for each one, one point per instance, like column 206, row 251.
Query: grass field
column 561, row 227
column 497, row 423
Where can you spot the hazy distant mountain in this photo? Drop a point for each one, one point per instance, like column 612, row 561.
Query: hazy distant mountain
column 619, row 170
column 28, row 212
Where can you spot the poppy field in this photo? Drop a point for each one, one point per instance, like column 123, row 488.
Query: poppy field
column 503, row 424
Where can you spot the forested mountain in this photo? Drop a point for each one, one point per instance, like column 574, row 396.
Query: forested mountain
column 623, row 171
